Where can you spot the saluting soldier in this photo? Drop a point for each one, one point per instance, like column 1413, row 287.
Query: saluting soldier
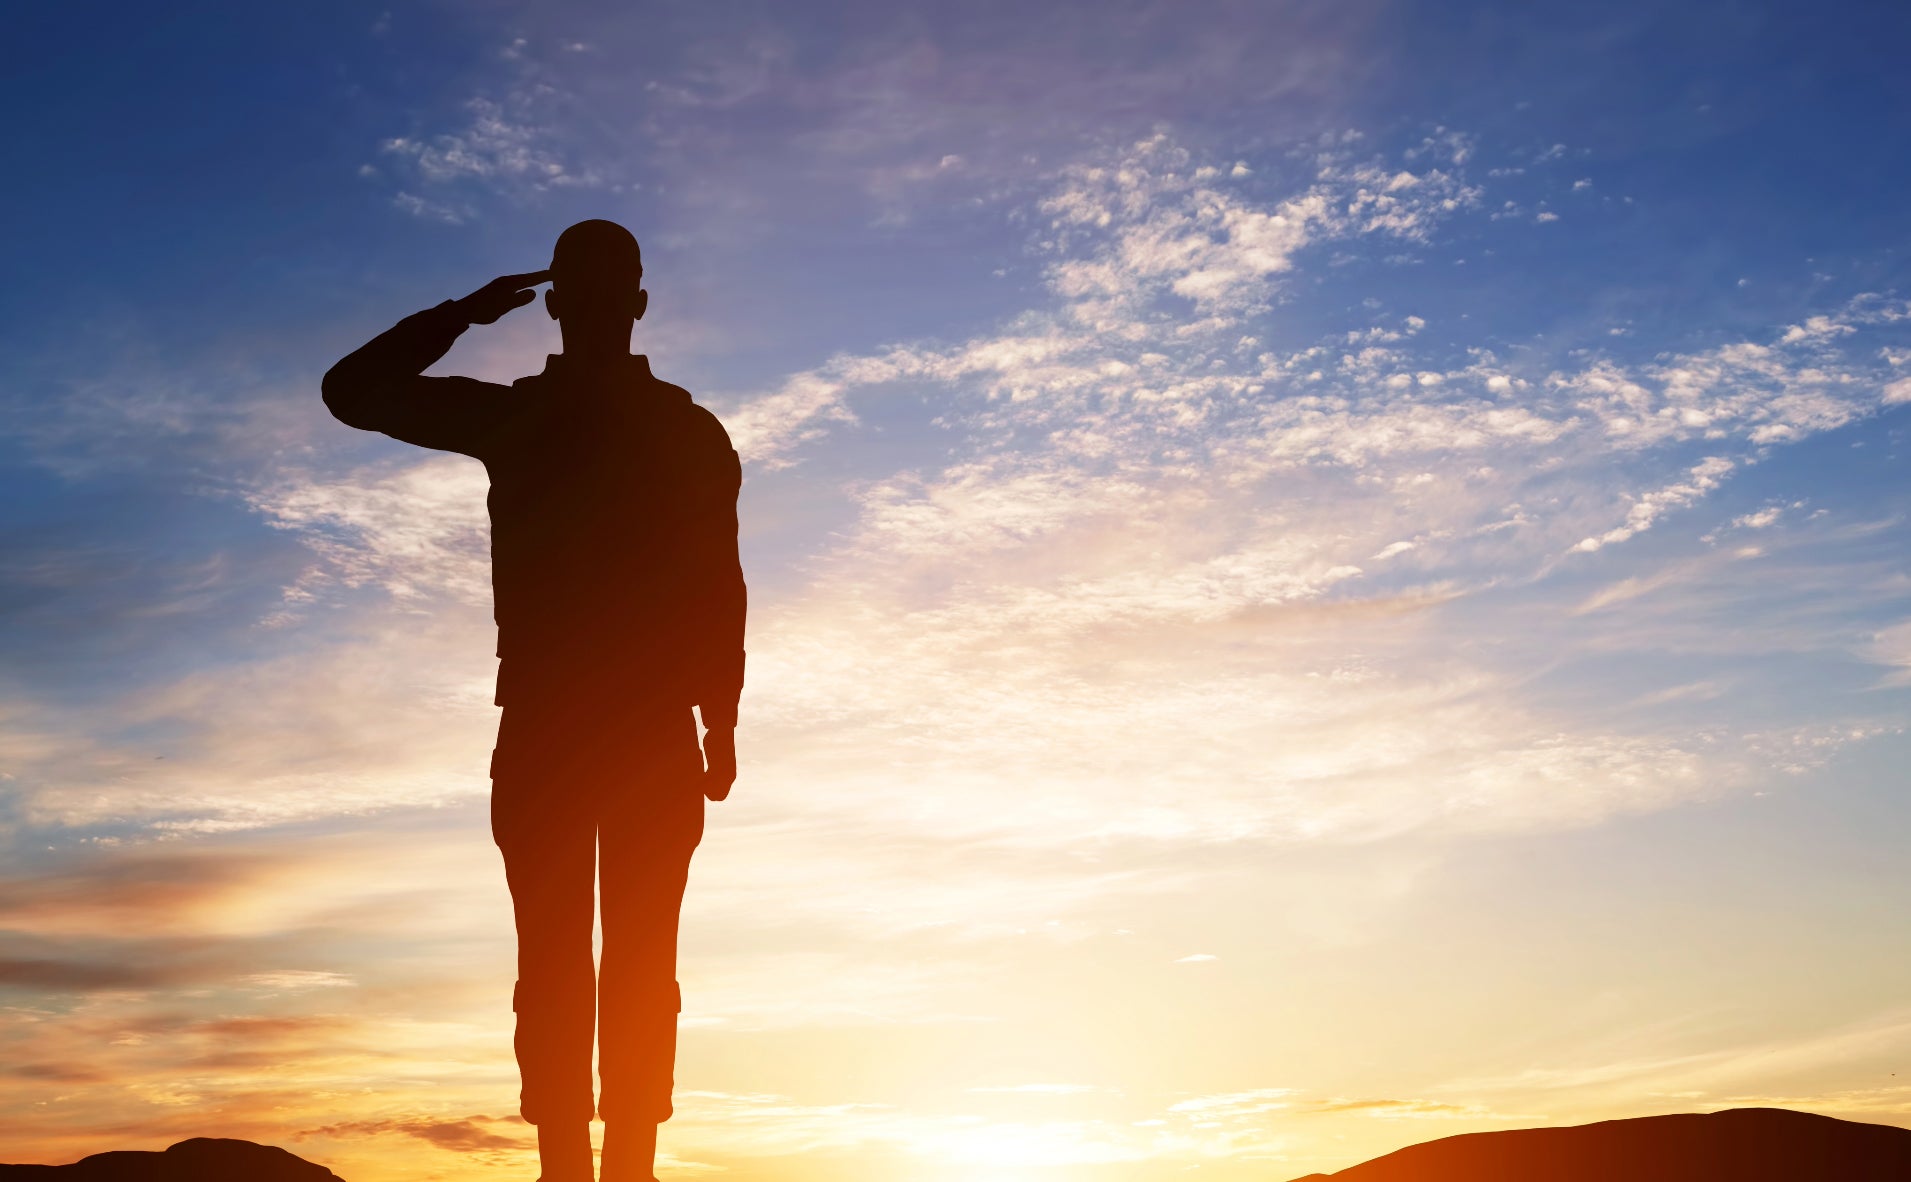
column 620, row 603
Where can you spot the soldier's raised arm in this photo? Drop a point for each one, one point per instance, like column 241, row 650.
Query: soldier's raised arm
column 379, row 387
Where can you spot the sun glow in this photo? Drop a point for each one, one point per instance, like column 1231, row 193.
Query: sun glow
column 1006, row 1152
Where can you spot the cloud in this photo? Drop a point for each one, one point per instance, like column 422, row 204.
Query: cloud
column 1413, row 1110
column 1151, row 257
column 135, row 893
column 167, row 1037
column 505, row 143
column 185, row 921
column 400, row 718
column 53, row 1073
column 1891, row 646
column 768, row 428
column 413, row 530
column 471, row 1134
column 436, row 211
column 1704, row 477
column 1815, row 330
column 298, row 979
column 1761, row 519
column 81, row 975
column 1236, row 1104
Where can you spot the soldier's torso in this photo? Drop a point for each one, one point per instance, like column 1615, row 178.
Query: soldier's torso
column 593, row 496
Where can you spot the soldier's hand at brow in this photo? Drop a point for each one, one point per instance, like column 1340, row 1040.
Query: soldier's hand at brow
column 720, row 762
column 501, row 295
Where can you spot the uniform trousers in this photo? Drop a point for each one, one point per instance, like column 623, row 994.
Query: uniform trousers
column 585, row 796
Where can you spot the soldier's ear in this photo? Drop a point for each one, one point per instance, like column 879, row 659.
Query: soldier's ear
column 550, row 302
column 638, row 305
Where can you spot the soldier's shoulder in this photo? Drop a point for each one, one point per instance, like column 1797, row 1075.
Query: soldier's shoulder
column 699, row 419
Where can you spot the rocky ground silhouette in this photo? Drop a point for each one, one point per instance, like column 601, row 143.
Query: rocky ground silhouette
column 202, row 1159
column 1736, row 1145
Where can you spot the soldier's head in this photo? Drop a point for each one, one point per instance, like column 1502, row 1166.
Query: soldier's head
column 597, row 278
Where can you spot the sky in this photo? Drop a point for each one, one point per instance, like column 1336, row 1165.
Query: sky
column 1323, row 575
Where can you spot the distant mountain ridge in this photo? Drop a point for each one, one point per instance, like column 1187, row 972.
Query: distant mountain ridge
column 1735, row 1145
column 201, row 1159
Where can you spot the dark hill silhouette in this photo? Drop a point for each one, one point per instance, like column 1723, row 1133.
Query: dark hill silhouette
column 202, row 1159
column 1736, row 1145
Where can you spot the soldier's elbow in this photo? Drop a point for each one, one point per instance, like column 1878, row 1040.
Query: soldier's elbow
column 339, row 393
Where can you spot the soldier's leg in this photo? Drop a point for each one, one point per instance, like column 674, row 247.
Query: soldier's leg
column 646, row 839
column 547, row 834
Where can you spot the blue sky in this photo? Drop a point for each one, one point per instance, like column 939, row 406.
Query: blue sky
column 1359, row 545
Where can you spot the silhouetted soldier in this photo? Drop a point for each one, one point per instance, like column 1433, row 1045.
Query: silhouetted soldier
column 620, row 605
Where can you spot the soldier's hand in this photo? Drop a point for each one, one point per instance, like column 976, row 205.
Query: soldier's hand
column 501, row 295
column 720, row 762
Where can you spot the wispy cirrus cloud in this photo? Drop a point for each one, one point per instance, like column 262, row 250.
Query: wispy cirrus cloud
column 506, row 145
column 1416, row 1110
column 1102, row 439
column 470, row 1134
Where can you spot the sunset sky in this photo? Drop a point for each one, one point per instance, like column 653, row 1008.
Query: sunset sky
column 1323, row 575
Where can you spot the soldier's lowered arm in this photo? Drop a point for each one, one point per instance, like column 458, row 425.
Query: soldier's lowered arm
column 728, row 604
